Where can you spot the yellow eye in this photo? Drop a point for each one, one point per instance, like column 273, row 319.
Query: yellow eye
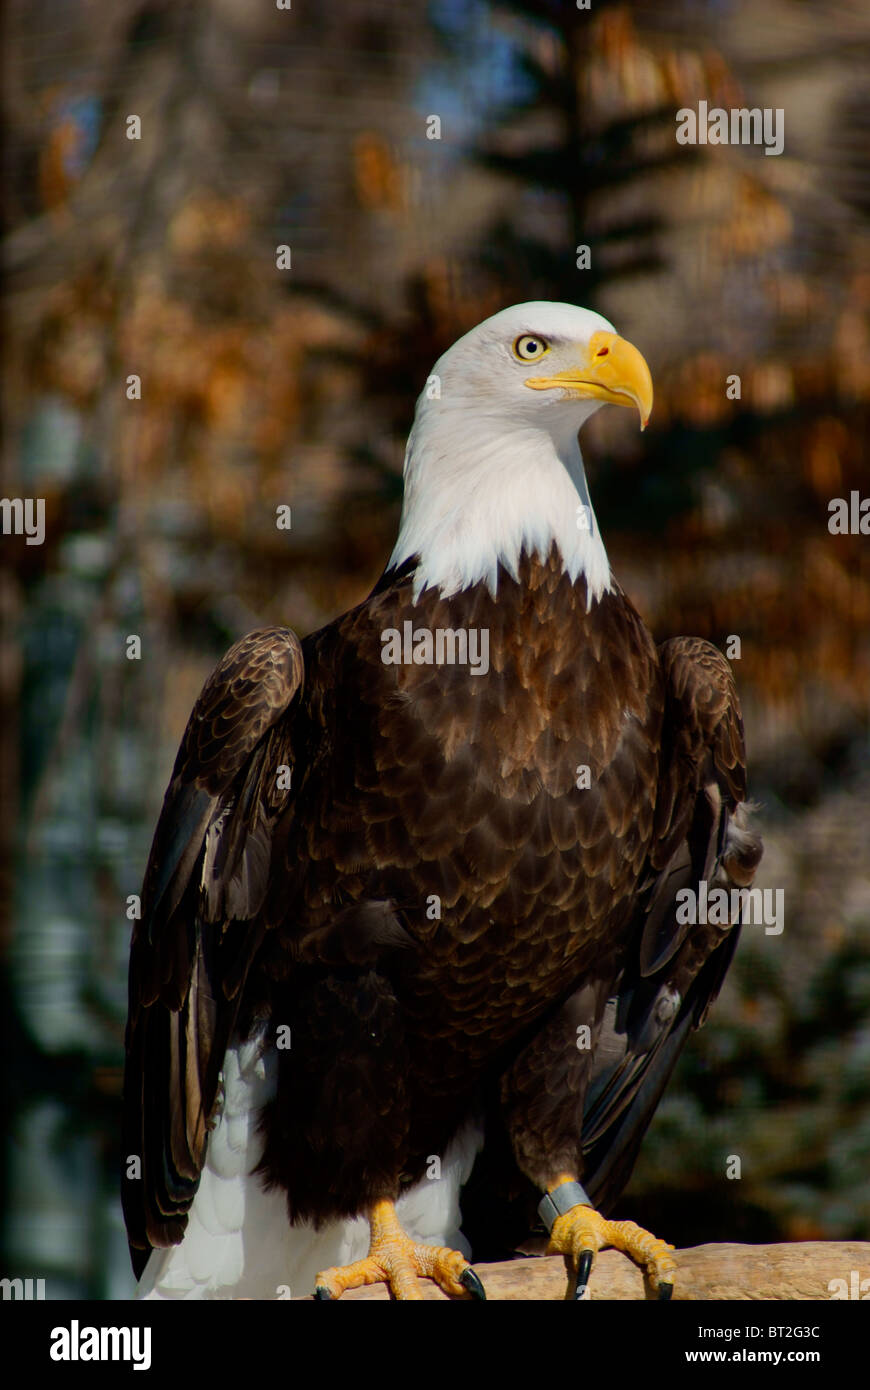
column 528, row 348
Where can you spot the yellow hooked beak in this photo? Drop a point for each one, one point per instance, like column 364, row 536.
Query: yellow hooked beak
column 613, row 370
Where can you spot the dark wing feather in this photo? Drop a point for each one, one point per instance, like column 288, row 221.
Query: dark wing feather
column 204, row 885
column 701, row 834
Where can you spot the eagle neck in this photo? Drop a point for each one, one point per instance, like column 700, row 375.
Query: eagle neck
column 480, row 491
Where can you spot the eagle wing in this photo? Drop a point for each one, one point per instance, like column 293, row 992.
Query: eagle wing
column 668, row 987
column 204, row 885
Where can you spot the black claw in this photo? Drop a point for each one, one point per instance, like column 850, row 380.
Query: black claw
column 665, row 1291
column 584, row 1269
column 322, row 1292
column 469, row 1280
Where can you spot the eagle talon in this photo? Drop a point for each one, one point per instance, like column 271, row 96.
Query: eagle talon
column 399, row 1262
column 470, row 1281
column 323, row 1294
column 584, row 1268
column 578, row 1233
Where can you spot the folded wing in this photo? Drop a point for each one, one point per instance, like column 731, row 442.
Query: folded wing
column 204, row 886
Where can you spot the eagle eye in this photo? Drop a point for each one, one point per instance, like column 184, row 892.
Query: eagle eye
column 529, row 348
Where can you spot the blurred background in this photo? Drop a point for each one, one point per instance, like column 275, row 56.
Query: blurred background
column 262, row 386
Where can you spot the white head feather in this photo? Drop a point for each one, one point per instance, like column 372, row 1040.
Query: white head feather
column 493, row 467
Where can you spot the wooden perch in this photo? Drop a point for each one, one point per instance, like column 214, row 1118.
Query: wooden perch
column 734, row 1272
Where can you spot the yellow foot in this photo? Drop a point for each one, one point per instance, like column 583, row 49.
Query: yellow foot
column 395, row 1260
column 582, row 1231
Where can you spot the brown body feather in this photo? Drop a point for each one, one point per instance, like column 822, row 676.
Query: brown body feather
column 434, row 906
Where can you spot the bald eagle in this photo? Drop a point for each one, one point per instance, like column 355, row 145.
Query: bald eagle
column 410, row 964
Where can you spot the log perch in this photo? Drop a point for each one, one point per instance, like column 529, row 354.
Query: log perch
column 803, row 1270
